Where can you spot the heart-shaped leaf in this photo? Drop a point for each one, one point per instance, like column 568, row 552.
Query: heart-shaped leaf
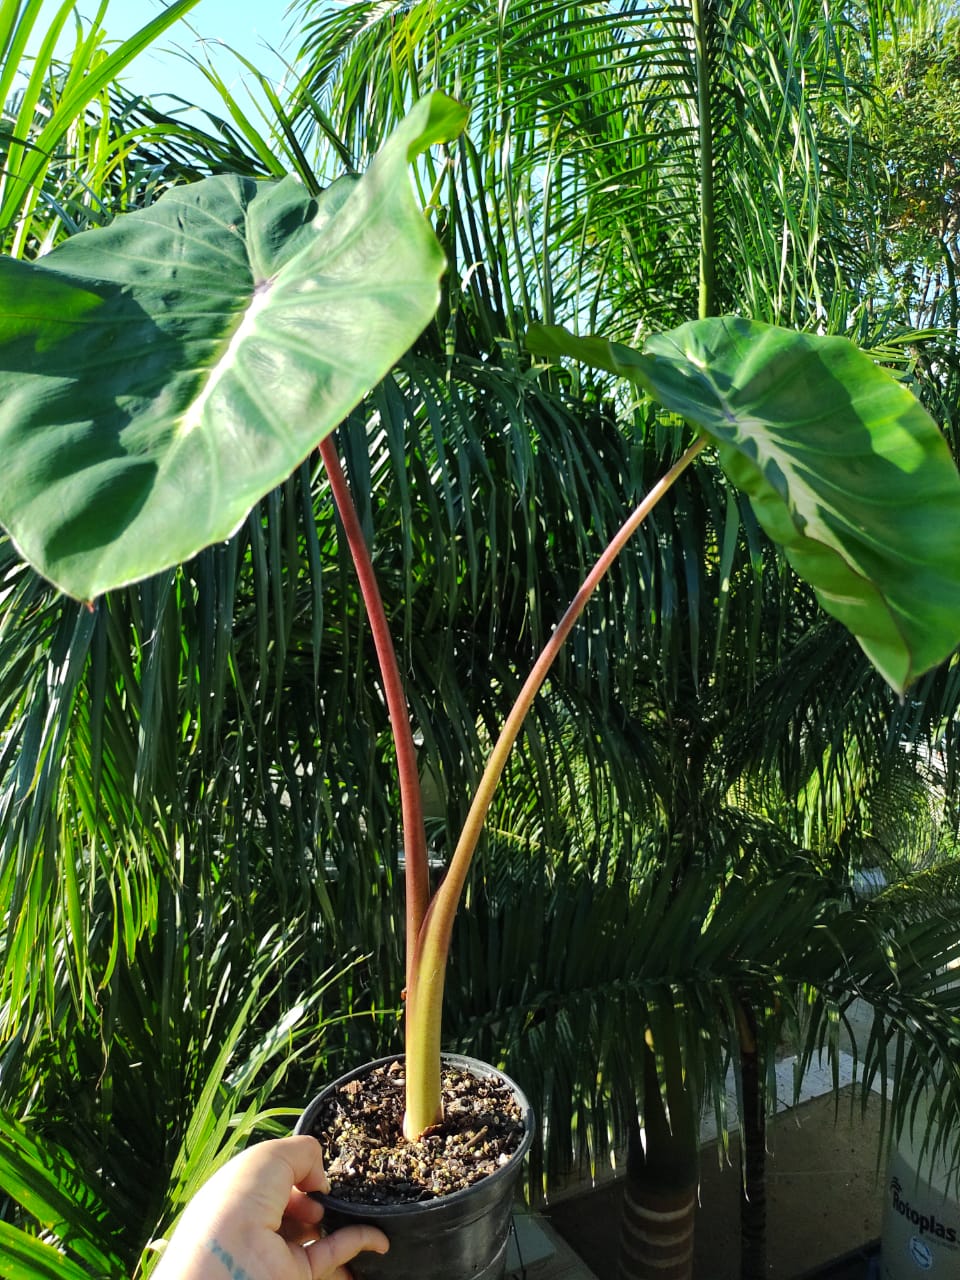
column 159, row 376
column 843, row 466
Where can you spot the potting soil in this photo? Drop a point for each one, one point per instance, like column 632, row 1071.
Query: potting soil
column 368, row 1160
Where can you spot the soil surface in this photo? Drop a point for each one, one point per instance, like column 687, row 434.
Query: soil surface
column 368, row 1160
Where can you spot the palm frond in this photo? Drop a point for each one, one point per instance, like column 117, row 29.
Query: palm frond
column 51, row 114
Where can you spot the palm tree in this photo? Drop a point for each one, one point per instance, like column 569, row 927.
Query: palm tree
column 195, row 792
column 609, row 152
column 68, row 159
column 140, row 1013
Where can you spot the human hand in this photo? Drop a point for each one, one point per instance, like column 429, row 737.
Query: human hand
column 253, row 1220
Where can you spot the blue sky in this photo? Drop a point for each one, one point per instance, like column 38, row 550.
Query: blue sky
column 249, row 26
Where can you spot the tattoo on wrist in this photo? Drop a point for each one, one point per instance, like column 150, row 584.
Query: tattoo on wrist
column 233, row 1267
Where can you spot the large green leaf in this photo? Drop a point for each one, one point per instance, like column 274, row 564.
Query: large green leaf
column 160, row 376
column 843, row 466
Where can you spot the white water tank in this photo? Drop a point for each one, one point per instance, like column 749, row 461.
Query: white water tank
column 921, row 1212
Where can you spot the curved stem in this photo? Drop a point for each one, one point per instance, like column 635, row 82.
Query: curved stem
column 411, row 804
column 425, row 991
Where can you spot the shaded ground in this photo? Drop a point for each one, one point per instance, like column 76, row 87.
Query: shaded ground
column 824, row 1201
column 861, row 1264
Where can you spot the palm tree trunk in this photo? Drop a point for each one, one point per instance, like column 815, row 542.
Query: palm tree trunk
column 753, row 1136
column 660, row 1195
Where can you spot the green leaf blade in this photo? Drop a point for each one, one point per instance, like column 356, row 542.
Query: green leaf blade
column 26, row 1258
column 843, row 467
column 44, row 1180
column 163, row 374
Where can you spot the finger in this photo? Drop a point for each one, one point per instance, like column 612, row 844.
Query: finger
column 306, row 1163
column 305, row 1158
column 303, row 1208
column 298, row 1232
column 333, row 1251
column 265, row 1173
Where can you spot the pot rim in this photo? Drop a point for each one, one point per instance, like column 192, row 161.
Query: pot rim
column 476, row 1067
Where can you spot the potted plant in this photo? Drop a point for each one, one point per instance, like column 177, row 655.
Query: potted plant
column 159, row 376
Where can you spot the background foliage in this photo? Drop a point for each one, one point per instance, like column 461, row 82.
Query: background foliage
column 198, row 819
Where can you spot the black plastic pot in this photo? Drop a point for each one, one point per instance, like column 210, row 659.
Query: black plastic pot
column 462, row 1236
